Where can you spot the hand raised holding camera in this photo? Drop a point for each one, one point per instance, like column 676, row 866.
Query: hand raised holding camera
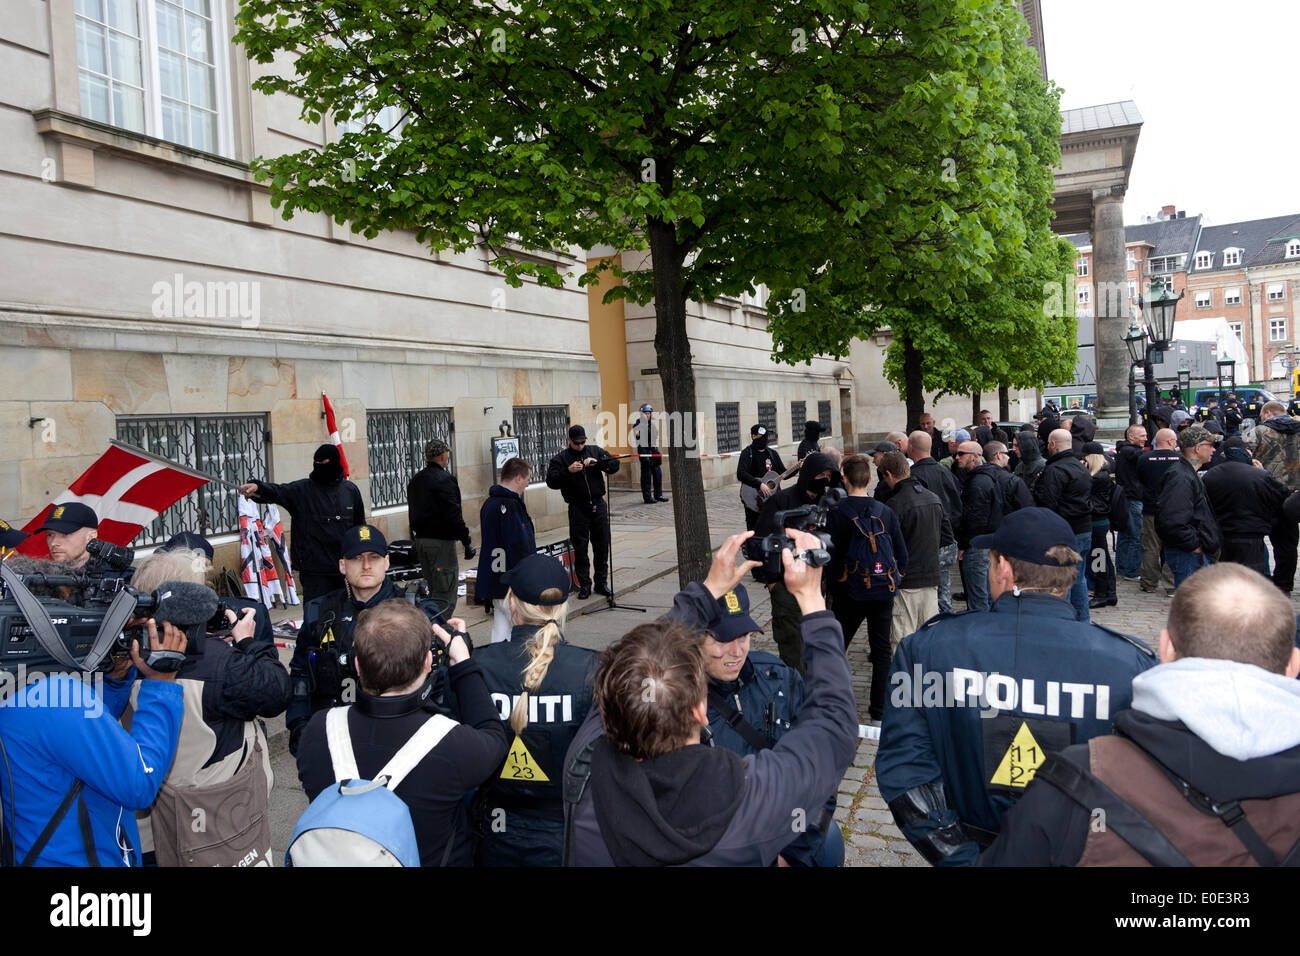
column 173, row 639
column 803, row 580
column 455, row 644
column 724, row 572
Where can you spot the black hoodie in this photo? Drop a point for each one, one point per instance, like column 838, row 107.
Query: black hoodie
column 707, row 805
column 811, row 432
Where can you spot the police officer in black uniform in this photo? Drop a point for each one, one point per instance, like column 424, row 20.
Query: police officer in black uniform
column 542, row 688
column 978, row 700
column 755, row 462
column 651, row 458
column 578, row 473
column 321, row 670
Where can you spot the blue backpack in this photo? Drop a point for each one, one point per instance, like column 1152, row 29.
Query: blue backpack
column 870, row 570
column 359, row 822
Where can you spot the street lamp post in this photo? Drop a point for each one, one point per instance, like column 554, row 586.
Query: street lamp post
column 1159, row 308
column 1227, row 376
column 1135, row 340
column 1185, row 382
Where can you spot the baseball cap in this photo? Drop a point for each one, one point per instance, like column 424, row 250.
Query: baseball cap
column 735, row 621
column 577, row 432
column 69, row 517
column 11, row 537
column 758, row 430
column 884, row 446
column 189, row 541
column 364, row 538
column 1193, row 435
column 534, row 575
column 647, row 407
column 1027, row 534
column 959, row 434
column 1093, row 448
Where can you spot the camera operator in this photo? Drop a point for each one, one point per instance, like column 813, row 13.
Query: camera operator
column 68, row 529
column 639, row 789
column 321, row 669
column 229, row 680
column 817, row 476
column 189, row 540
column 393, row 662
column 71, row 773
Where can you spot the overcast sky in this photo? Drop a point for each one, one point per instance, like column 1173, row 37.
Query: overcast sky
column 1216, row 84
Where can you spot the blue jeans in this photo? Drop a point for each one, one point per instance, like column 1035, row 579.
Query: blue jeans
column 975, row 578
column 1184, row 563
column 1128, row 545
column 947, row 558
column 1079, row 593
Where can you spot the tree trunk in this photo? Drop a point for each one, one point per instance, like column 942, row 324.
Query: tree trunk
column 1004, row 403
column 673, row 350
column 913, row 382
column 974, row 408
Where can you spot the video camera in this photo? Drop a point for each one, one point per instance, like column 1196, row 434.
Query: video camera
column 40, row 634
column 809, row 518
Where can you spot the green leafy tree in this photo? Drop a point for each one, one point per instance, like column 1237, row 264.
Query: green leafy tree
column 997, row 314
column 739, row 141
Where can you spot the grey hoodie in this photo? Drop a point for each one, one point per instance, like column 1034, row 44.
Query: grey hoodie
column 1240, row 710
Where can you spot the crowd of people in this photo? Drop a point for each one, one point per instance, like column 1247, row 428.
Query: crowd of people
column 1000, row 725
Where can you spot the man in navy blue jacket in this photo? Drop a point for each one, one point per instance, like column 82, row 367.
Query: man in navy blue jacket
column 69, row 762
column 507, row 534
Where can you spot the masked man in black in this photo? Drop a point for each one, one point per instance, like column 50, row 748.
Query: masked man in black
column 323, row 507
column 577, row 472
column 755, row 462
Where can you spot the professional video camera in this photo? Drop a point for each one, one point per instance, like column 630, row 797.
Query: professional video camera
column 105, row 557
column 82, row 629
column 810, row 518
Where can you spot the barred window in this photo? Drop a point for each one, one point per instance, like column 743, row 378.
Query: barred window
column 727, row 419
column 798, row 415
column 824, row 416
column 542, row 431
column 230, row 447
column 396, row 442
column 767, row 418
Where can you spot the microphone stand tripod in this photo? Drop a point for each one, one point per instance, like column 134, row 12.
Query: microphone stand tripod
column 610, row 603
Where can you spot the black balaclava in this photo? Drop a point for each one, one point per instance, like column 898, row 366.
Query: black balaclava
column 332, row 468
column 815, row 464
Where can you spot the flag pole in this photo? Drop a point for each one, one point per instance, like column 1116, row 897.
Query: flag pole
column 134, row 450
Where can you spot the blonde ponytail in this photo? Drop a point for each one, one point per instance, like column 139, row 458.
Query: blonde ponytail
column 541, row 648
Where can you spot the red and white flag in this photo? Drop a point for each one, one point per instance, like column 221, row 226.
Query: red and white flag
column 127, row 489
column 334, row 432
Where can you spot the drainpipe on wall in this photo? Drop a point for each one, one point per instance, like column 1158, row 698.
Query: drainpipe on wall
column 1260, row 339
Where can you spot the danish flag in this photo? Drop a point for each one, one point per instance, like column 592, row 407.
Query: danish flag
column 334, row 432
column 127, row 488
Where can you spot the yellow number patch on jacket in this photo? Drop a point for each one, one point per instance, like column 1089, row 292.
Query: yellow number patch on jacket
column 521, row 766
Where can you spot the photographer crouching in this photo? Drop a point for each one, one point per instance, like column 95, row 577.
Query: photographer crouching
column 213, row 809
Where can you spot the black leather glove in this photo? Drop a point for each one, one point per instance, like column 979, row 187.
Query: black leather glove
column 470, row 552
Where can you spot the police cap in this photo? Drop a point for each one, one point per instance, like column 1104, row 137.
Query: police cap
column 533, row 576
column 69, row 517
column 1028, row 534
column 364, row 538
